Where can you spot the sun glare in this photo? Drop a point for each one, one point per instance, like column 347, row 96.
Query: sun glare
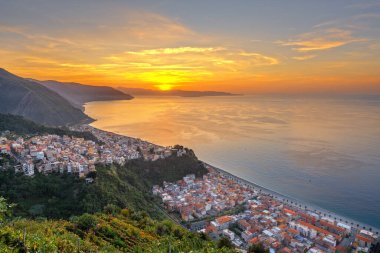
column 165, row 87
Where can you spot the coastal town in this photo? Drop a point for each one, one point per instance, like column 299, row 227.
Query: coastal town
column 52, row 153
column 218, row 204
column 258, row 217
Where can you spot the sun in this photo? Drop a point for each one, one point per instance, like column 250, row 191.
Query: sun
column 164, row 87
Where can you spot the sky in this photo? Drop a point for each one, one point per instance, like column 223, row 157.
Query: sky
column 247, row 46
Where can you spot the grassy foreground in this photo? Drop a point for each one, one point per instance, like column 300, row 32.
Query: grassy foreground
column 114, row 230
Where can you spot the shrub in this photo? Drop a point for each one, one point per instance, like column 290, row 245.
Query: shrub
column 86, row 222
column 112, row 209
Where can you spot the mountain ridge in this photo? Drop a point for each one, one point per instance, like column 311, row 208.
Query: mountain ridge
column 35, row 102
column 78, row 94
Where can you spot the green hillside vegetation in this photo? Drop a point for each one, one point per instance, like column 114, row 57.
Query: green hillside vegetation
column 62, row 195
column 115, row 230
column 22, row 126
column 170, row 169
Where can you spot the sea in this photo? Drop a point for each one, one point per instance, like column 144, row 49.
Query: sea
column 322, row 151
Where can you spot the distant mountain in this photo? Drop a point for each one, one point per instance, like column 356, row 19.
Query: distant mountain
column 78, row 94
column 33, row 101
column 177, row 93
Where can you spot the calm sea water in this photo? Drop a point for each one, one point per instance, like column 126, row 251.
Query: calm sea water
column 322, row 151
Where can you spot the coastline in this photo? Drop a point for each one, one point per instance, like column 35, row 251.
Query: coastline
column 296, row 203
column 286, row 199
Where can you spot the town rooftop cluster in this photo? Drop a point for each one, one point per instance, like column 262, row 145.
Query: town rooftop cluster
column 262, row 219
column 53, row 153
column 218, row 204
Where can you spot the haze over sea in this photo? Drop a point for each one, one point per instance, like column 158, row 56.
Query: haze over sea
column 322, row 151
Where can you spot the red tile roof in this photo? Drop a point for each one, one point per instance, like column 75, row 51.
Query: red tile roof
column 223, row 219
column 210, row 229
column 291, row 212
column 244, row 223
column 319, row 230
column 364, row 239
column 254, row 240
column 333, row 226
column 293, row 231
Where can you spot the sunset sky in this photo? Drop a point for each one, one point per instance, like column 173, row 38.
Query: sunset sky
column 231, row 45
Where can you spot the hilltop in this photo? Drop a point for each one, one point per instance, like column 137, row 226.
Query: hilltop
column 33, row 101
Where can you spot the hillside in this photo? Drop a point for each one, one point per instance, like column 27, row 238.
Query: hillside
column 21, row 126
column 115, row 230
column 78, row 94
column 124, row 216
column 35, row 102
column 176, row 93
column 59, row 195
column 63, row 195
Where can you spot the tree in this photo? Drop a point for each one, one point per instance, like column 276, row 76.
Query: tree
column 86, row 222
column 224, row 242
column 179, row 147
column 36, row 210
column 5, row 209
column 257, row 248
column 112, row 209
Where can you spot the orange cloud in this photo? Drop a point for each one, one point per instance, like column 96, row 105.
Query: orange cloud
column 188, row 64
column 178, row 50
column 321, row 40
column 304, row 57
column 143, row 49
